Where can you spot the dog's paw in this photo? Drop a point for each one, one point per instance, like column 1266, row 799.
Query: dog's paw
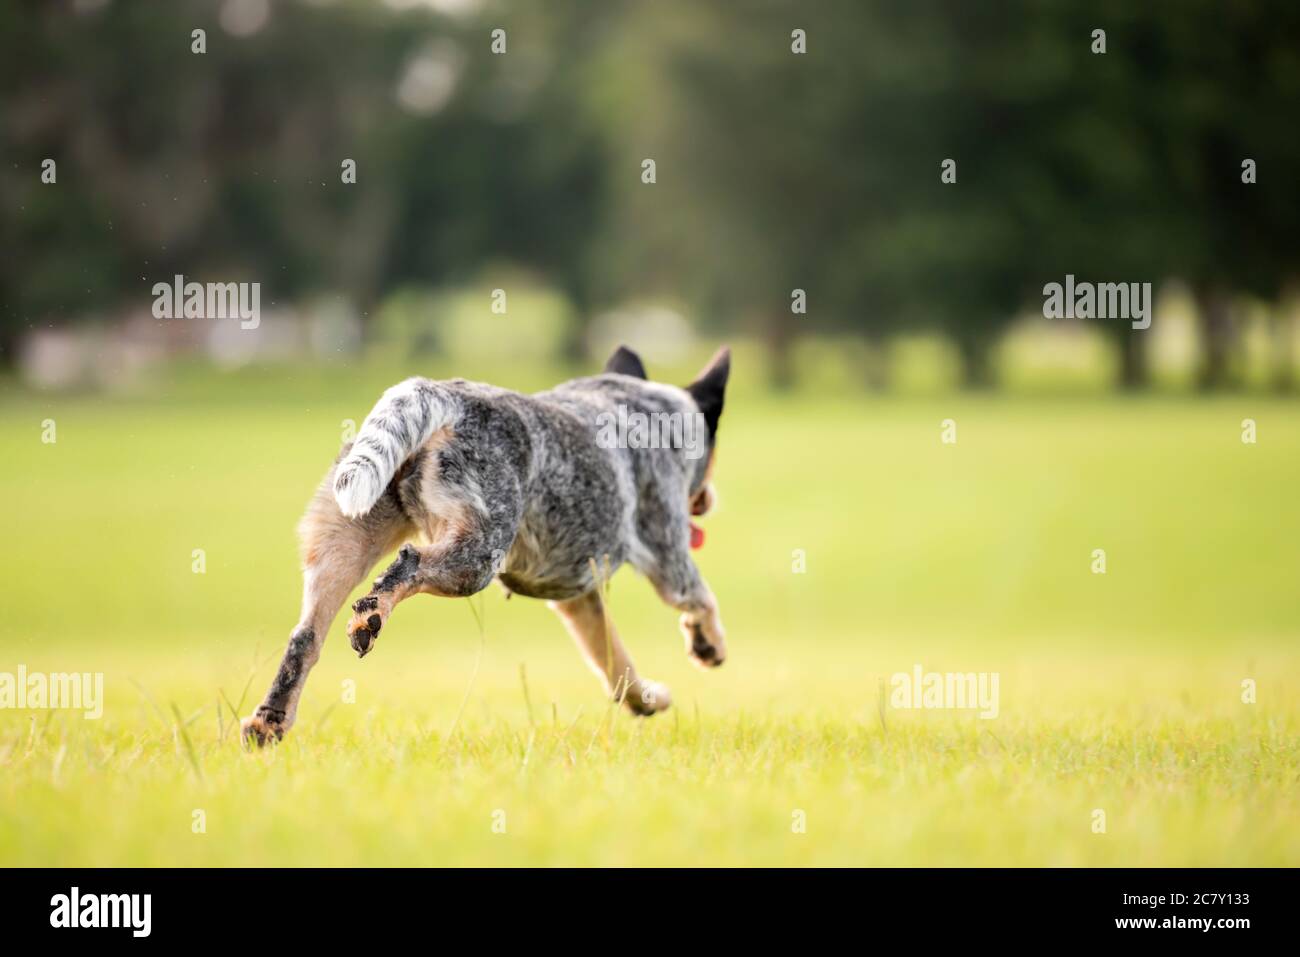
column 645, row 698
column 363, row 628
column 261, row 729
column 704, row 645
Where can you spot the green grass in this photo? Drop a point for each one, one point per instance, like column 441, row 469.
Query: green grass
column 1119, row 692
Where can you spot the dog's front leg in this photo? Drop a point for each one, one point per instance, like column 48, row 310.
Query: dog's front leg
column 594, row 633
column 681, row 586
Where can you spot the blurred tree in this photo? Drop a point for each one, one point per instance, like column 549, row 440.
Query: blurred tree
column 229, row 163
column 809, row 162
column 821, row 170
column 1228, row 86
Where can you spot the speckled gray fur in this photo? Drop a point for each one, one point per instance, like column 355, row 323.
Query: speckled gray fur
column 515, row 487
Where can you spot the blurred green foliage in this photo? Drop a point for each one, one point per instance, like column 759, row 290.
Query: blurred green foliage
column 775, row 170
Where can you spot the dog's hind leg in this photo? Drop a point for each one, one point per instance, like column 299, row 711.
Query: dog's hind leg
column 466, row 552
column 337, row 552
column 588, row 623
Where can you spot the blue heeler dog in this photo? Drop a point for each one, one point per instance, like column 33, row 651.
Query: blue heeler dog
column 519, row 488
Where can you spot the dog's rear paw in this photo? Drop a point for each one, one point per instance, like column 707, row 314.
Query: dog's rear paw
column 363, row 629
column 261, row 729
column 645, row 698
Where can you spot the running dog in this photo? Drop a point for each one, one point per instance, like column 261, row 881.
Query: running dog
column 530, row 490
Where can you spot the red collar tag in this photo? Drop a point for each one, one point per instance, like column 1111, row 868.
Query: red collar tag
column 697, row 536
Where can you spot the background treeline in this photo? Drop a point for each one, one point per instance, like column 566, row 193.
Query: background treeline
column 775, row 171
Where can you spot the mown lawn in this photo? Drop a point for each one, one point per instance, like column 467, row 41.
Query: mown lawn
column 1119, row 692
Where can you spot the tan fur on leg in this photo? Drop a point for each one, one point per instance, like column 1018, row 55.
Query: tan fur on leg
column 594, row 633
column 337, row 553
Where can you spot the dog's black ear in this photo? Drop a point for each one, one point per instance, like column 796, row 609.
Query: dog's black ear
column 626, row 362
column 710, row 387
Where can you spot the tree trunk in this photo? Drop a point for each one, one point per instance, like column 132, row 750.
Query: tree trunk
column 1214, row 313
column 876, row 372
column 8, row 347
column 1284, row 346
column 780, row 338
column 1133, row 371
column 976, row 361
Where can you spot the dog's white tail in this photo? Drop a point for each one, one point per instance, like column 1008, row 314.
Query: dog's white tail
column 401, row 421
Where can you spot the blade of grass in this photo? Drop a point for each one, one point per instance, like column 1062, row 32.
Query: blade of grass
column 149, row 698
column 479, row 616
column 528, row 701
column 183, row 735
column 234, row 714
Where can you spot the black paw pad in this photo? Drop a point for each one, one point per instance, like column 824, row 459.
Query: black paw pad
column 374, row 623
column 700, row 646
column 361, row 640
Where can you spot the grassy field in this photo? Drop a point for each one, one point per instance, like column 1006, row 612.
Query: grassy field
column 1119, row 692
